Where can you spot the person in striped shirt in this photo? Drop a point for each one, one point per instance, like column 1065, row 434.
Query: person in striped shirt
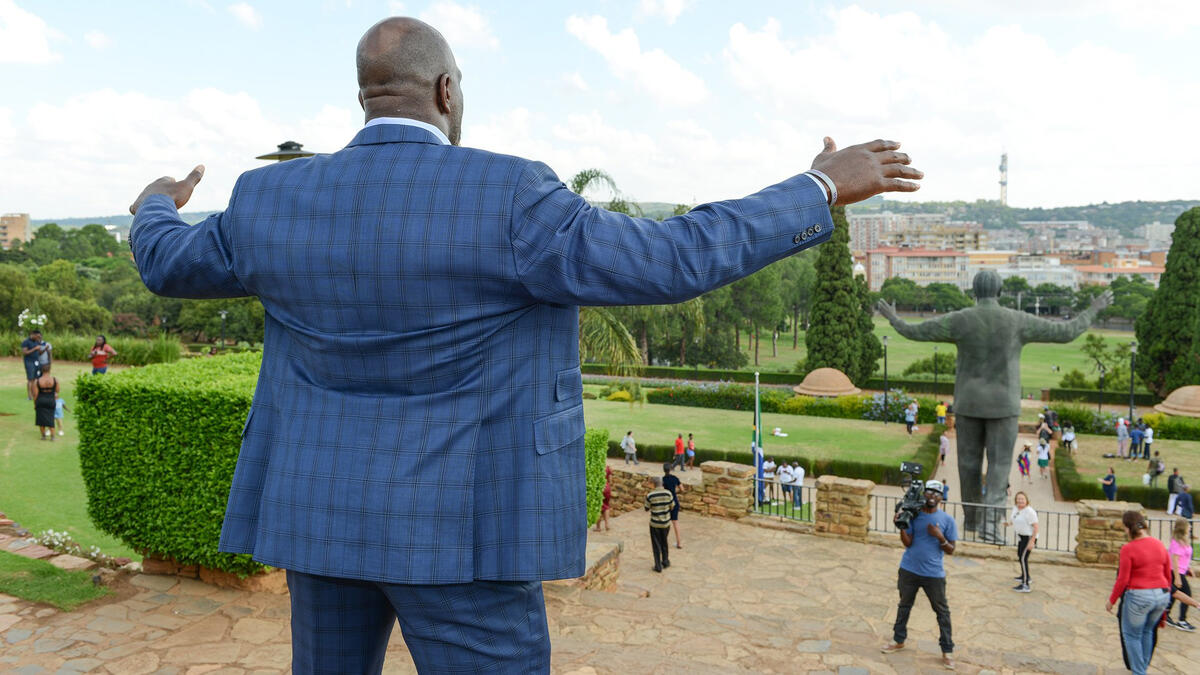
column 659, row 502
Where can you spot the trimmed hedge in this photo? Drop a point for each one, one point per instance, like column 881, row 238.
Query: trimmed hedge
column 728, row 396
column 595, row 445
column 944, row 386
column 882, row 474
column 1111, row 397
column 1075, row 487
column 158, row 446
column 130, row 351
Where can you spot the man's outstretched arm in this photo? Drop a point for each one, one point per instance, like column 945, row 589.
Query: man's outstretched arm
column 1037, row 329
column 934, row 330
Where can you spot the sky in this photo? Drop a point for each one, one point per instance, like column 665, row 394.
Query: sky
column 680, row 101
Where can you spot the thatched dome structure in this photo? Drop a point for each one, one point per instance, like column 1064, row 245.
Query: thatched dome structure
column 1184, row 401
column 826, row 382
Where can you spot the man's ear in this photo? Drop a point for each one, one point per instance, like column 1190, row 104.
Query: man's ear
column 444, row 94
column 362, row 104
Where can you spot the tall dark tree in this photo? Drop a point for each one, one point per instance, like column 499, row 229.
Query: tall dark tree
column 869, row 348
column 1168, row 346
column 798, row 277
column 832, row 337
column 758, row 299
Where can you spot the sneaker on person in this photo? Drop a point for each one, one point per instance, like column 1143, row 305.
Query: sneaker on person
column 1174, row 624
column 1021, row 588
column 60, row 433
column 1184, row 625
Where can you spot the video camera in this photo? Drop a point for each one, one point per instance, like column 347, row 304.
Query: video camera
column 914, row 497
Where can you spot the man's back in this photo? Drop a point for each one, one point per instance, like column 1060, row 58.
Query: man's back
column 659, row 503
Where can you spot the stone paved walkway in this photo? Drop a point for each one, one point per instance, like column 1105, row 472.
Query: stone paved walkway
column 737, row 598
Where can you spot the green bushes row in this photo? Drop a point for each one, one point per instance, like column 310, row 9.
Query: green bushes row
column 1088, row 421
column 882, row 474
column 727, row 396
column 595, row 447
column 1075, row 487
column 130, row 351
column 944, row 386
column 158, row 446
column 1094, row 395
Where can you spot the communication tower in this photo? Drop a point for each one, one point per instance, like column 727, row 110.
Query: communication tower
column 1004, row 179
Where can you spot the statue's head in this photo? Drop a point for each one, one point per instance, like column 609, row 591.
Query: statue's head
column 987, row 284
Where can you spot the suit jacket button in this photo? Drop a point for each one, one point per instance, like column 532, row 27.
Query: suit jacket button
column 817, row 228
column 797, row 239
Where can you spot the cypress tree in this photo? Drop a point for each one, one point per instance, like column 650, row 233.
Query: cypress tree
column 1168, row 347
column 870, row 350
column 832, row 339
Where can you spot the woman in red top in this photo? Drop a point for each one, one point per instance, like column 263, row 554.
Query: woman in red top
column 100, row 353
column 1143, row 586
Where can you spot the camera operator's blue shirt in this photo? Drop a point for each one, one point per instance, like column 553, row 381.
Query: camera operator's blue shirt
column 924, row 557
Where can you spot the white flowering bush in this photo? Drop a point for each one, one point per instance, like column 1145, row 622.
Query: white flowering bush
column 63, row 543
column 27, row 320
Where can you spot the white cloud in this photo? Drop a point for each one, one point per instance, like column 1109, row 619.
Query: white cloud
column 108, row 145
column 464, row 27
column 96, row 39
column 653, row 71
column 246, row 15
column 396, row 8
column 24, row 36
column 576, row 82
column 669, row 10
column 956, row 103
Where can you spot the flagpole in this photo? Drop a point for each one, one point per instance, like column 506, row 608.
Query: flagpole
column 756, row 447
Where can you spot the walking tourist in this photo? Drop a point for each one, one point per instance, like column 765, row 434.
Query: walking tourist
column 1023, row 464
column 928, row 537
column 1184, row 507
column 797, row 486
column 1147, row 440
column 629, row 448
column 606, row 504
column 1174, row 481
column 1180, row 552
column 1122, row 437
column 1024, row 521
column 910, row 417
column 1043, row 457
column 60, row 410
column 659, row 503
column 1109, row 485
column 784, row 472
column 32, row 349
column 43, row 403
column 1136, row 434
column 691, row 452
column 99, row 355
column 1044, row 431
column 1143, row 586
column 943, row 448
column 1068, row 437
column 671, row 483
column 680, row 449
column 1155, row 467
column 403, row 179
column 940, row 411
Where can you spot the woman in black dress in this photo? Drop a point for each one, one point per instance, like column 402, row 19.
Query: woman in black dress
column 43, row 405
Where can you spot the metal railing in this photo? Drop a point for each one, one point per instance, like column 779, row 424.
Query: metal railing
column 773, row 500
column 1160, row 529
column 1056, row 530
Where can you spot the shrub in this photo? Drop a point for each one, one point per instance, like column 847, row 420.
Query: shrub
column 722, row 395
column 1075, row 487
column 130, row 351
column 158, row 446
column 620, row 395
column 595, row 445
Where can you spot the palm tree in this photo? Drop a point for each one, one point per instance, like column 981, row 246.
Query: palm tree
column 602, row 337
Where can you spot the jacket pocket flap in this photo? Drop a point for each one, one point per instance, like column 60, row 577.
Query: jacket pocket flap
column 249, row 416
column 569, row 384
column 558, row 429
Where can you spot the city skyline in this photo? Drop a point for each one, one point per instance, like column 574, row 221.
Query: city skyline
column 679, row 101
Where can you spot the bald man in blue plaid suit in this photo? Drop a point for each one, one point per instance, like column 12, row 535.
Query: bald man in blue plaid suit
column 415, row 446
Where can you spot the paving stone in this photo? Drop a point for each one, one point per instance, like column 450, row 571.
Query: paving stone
column 43, row 613
column 15, row 635
column 813, row 646
column 10, row 607
column 136, row 664
column 88, row 636
column 35, row 551
column 104, row 624
column 15, row 545
column 8, row 621
column 122, row 650
column 78, row 651
column 113, row 612
column 218, row 653
column 193, row 587
column 71, row 562
column 196, row 606
column 29, row 670
column 163, row 621
column 47, row 645
column 154, row 582
column 255, row 631
column 268, row 656
column 853, row 670
column 82, row 665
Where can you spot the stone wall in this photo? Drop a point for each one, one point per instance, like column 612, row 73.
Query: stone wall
column 1101, row 533
column 603, row 564
column 843, row 507
column 726, row 491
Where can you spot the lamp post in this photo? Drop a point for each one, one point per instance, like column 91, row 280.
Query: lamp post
column 1132, row 363
column 885, row 381
column 1100, row 394
column 223, row 314
column 935, row 371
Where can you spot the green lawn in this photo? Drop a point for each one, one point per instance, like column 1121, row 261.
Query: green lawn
column 39, row 581
column 1090, row 460
column 40, row 484
column 1036, row 359
column 812, row 437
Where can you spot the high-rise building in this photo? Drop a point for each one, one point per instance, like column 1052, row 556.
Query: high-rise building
column 14, row 226
column 922, row 266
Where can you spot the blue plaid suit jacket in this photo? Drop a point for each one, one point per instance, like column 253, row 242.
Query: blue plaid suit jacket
column 418, row 417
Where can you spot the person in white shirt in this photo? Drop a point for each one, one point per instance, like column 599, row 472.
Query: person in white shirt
column 784, row 473
column 1043, row 453
column 797, row 485
column 1025, row 524
column 770, row 481
column 629, row 447
column 1068, row 437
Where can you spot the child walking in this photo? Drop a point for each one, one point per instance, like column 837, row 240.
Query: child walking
column 1023, row 464
column 59, row 406
column 1180, row 552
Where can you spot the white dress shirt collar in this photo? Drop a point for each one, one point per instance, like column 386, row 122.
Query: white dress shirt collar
column 412, row 123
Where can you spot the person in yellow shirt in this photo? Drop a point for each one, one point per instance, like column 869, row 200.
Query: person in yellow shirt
column 940, row 411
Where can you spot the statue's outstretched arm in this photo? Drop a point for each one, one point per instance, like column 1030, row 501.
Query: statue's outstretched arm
column 933, row 330
column 1037, row 329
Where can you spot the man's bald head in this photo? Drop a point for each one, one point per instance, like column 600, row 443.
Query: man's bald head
column 406, row 69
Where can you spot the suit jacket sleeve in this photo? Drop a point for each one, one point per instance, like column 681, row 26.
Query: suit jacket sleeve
column 569, row 252
column 180, row 260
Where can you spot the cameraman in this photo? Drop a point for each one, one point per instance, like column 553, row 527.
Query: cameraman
column 929, row 536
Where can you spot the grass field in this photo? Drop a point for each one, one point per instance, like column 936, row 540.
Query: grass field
column 1090, row 460
column 1036, row 359
column 40, row 484
column 811, row 437
column 39, row 581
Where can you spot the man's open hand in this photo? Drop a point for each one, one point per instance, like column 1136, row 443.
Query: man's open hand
column 887, row 310
column 180, row 191
column 1102, row 301
column 863, row 171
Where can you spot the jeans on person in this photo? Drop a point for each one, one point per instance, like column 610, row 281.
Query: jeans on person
column 1187, row 590
column 658, row 542
column 1141, row 611
column 935, row 589
column 100, row 371
column 678, row 461
column 797, row 497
